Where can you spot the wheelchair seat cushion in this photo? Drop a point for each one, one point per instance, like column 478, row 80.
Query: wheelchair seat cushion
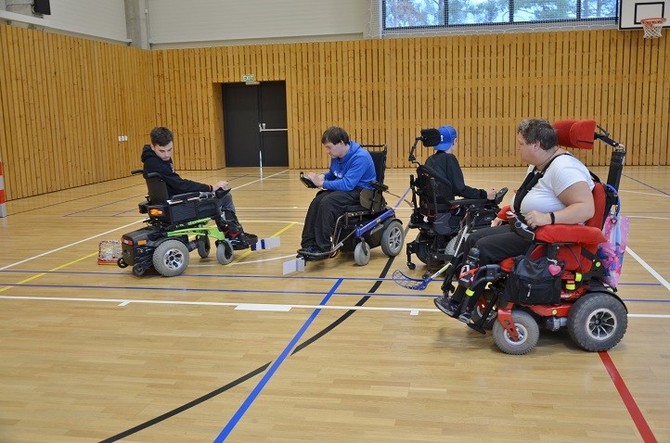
column 586, row 235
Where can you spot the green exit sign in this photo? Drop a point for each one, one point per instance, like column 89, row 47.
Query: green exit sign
column 248, row 78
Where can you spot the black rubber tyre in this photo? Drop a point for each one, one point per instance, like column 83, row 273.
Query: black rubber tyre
column 597, row 321
column 393, row 238
column 424, row 252
column 138, row 270
column 121, row 263
column 171, row 258
column 203, row 246
column 526, row 327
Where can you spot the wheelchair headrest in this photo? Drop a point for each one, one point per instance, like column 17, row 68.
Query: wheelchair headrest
column 431, row 137
column 578, row 134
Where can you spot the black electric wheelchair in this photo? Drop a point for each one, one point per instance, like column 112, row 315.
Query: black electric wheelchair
column 437, row 215
column 175, row 227
column 370, row 224
column 577, row 296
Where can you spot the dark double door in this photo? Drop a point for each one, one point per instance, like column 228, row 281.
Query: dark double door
column 255, row 124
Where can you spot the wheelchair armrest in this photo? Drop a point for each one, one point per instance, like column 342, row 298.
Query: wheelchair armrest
column 570, row 234
column 469, row 202
column 183, row 197
column 379, row 186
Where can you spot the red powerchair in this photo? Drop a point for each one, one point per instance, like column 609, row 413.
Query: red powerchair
column 594, row 314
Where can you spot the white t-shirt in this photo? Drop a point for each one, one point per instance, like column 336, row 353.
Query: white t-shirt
column 563, row 172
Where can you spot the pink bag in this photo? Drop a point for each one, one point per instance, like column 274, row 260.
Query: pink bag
column 612, row 251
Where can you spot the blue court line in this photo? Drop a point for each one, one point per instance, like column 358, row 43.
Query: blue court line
column 275, row 365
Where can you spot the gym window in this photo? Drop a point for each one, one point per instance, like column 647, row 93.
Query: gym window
column 412, row 14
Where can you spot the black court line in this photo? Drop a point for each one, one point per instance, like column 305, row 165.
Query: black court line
column 646, row 185
column 41, row 208
column 254, row 372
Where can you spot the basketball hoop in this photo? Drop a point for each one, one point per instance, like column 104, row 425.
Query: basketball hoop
column 652, row 26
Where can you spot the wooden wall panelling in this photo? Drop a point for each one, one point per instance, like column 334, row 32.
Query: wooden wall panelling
column 39, row 134
column 485, row 75
column 591, row 93
column 66, row 100
column 317, row 109
column 651, row 61
column 656, row 64
column 467, row 110
column 5, row 79
column 308, row 73
column 297, row 94
column 628, row 98
column 635, row 114
column 19, row 175
column 662, row 128
column 109, row 118
column 206, row 136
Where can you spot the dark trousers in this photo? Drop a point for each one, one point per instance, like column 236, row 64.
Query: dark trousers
column 322, row 214
column 496, row 243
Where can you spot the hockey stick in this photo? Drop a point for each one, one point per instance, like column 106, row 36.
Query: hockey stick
column 415, row 283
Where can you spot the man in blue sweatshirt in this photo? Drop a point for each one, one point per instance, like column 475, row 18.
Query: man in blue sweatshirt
column 351, row 171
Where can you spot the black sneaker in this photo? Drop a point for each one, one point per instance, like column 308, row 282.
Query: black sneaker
column 447, row 305
column 238, row 243
column 251, row 239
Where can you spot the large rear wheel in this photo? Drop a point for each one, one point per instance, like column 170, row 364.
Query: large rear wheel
column 171, row 258
column 597, row 321
column 393, row 238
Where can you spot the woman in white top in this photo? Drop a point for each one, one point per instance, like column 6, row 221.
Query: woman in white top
column 561, row 195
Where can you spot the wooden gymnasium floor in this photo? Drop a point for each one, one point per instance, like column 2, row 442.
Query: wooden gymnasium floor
column 337, row 353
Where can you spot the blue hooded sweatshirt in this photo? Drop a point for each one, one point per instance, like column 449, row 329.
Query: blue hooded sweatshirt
column 355, row 170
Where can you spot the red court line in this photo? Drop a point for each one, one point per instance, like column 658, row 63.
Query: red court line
column 628, row 400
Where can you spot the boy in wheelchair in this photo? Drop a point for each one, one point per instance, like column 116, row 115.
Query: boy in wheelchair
column 157, row 159
column 437, row 184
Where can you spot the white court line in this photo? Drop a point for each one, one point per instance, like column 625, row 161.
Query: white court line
column 646, row 217
column 650, row 194
column 256, row 306
column 259, row 180
column 651, row 270
column 110, row 231
column 68, row 245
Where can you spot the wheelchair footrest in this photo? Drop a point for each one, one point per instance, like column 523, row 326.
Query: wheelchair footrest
column 295, row 265
column 266, row 243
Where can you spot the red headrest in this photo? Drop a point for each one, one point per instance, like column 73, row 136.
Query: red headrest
column 575, row 133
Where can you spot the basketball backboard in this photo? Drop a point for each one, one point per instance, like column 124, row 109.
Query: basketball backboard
column 632, row 11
